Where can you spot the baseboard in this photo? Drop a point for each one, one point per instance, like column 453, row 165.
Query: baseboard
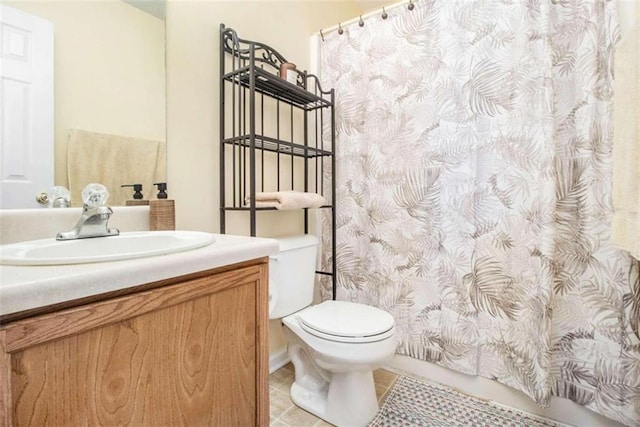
column 278, row 360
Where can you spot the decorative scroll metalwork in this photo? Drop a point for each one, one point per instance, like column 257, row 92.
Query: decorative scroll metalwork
column 265, row 54
column 242, row 49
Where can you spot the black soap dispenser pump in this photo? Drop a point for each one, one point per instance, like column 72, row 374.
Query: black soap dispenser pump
column 137, row 196
column 162, row 212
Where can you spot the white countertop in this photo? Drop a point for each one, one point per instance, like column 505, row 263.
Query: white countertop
column 24, row 288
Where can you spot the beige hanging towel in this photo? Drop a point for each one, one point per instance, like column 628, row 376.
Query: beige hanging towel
column 114, row 160
column 626, row 144
column 287, row 200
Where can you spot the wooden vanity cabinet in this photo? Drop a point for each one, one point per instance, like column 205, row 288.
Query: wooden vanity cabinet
column 190, row 351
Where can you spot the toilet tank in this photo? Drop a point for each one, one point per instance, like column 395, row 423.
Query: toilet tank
column 292, row 275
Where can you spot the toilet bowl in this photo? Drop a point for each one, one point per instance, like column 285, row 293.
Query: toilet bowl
column 334, row 346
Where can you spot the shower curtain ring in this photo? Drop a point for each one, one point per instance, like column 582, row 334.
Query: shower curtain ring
column 340, row 30
column 411, row 5
column 321, row 35
column 384, row 14
column 361, row 22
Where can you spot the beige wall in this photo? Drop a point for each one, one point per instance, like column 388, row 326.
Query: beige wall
column 628, row 15
column 109, row 73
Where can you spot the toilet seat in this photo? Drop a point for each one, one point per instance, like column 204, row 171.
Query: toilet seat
column 347, row 322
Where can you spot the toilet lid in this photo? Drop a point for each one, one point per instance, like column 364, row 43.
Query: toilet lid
column 347, row 322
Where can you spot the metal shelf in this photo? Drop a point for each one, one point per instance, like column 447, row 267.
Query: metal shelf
column 247, row 208
column 272, row 85
column 258, row 108
column 277, row 146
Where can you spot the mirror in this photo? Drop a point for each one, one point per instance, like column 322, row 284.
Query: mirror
column 109, row 74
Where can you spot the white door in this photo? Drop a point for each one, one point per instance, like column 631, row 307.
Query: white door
column 26, row 108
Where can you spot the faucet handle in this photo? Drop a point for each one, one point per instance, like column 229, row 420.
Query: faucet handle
column 59, row 197
column 94, row 195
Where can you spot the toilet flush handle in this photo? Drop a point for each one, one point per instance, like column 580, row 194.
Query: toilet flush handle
column 274, row 257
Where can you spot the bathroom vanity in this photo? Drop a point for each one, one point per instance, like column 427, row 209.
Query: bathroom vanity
column 177, row 339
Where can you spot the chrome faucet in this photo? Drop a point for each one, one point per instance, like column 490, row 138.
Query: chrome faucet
column 95, row 216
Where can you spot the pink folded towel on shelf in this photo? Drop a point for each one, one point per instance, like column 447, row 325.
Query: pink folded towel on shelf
column 287, row 200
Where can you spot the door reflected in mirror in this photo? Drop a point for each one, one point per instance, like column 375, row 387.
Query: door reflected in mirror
column 109, row 75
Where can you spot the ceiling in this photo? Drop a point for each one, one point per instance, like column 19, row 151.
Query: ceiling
column 153, row 7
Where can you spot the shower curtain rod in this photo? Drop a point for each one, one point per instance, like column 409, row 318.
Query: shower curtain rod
column 360, row 19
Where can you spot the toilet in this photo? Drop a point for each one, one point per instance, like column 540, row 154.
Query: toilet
column 334, row 346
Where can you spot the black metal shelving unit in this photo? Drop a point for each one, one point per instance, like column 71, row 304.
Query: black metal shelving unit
column 274, row 135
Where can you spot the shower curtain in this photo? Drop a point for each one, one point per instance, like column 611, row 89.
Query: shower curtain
column 474, row 193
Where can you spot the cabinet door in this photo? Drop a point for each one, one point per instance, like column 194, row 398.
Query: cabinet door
column 188, row 354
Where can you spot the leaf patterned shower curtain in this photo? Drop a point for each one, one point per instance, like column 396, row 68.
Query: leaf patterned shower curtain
column 474, row 193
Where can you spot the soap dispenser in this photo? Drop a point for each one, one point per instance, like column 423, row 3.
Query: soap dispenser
column 137, row 196
column 162, row 212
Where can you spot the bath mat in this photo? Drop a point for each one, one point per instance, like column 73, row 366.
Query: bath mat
column 415, row 403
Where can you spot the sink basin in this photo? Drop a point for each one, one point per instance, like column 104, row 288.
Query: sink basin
column 102, row 249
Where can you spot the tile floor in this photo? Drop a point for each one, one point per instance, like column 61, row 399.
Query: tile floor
column 284, row 413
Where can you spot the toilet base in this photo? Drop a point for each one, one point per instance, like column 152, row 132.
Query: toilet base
column 345, row 399
column 349, row 400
